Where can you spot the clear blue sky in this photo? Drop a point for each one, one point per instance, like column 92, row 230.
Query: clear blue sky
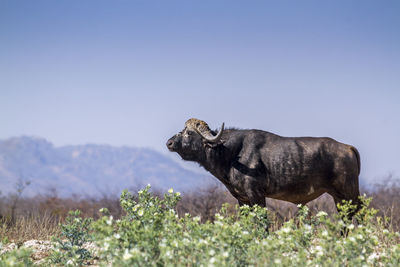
column 132, row 72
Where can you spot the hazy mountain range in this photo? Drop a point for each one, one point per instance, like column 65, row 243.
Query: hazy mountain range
column 88, row 169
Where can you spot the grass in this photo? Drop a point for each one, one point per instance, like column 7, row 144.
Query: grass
column 28, row 228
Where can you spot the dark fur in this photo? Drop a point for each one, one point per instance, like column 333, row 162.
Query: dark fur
column 255, row 164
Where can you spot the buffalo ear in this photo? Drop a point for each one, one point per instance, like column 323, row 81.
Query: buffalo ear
column 212, row 145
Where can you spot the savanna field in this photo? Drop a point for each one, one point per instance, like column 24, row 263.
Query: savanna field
column 152, row 228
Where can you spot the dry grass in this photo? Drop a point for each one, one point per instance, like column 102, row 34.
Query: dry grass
column 39, row 217
column 40, row 227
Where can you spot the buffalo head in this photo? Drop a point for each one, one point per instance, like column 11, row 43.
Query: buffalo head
column 190, row 141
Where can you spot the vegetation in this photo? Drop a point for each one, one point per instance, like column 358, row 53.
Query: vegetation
column 151, row 232
column 75, row 232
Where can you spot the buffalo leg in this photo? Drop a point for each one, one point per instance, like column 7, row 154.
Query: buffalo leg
column 354, row 201
column 242, row 203
column 338, row 198
column 260, row 201
column 347, row 192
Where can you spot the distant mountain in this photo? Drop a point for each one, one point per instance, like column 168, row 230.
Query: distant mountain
column 88, row 169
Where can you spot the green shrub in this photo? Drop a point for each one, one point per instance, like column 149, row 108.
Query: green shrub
column 152, row 234
column 69, row 248
column 17, row 257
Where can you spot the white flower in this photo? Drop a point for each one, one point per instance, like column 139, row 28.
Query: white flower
column 277, row 261
column 218, row 216
column 385, row 231
column 170, row 190
column 178, row 194
column 372, row 257
column 212, row 260
column 324, row 233
column 285, row 229
column 11, row 262
column 70, row 262
column 319, row 250
column 212, row 252
column 127, row 255
column 168, row 254
column 218, row 223
column 202, row 241
column 307, row 227
column 245, row 233
column 117, row 236
column 135, row 251
column 140, row 212
column 109, row 221
column 322, row 213
column 136, row 207
column 225, row 254
column 360, row 237
column 350, row 227
column 352, row 239
column 162, row 243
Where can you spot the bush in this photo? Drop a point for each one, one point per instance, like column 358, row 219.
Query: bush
column 152, row 234
column 68, row 249
column 16, row 257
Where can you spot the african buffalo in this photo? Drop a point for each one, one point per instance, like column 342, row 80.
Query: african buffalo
column 255, row 164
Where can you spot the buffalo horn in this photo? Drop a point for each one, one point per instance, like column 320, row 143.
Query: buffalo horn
column 209, row 137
